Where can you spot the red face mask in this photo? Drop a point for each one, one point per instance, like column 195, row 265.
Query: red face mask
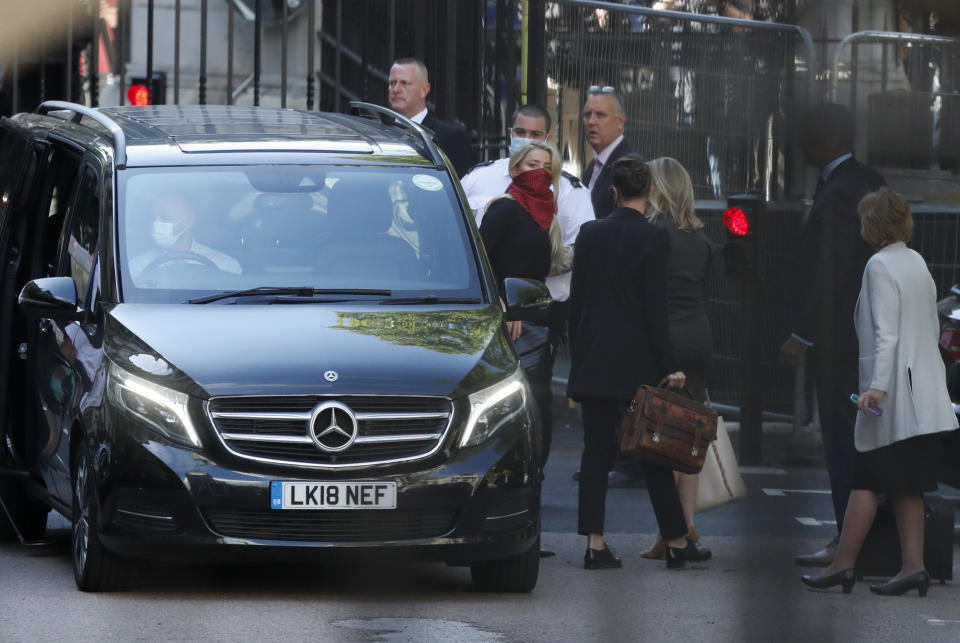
column 532, row 191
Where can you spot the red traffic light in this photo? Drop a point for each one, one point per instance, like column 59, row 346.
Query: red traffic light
column 736, row 221
column 138, row 94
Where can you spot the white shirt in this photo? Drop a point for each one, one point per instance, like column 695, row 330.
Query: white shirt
column 222, row 261
column 574, row 208
column 418, row 117
column 605, row 153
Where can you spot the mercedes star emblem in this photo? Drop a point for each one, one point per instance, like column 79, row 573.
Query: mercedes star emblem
column 331, row 376
column 333, row 426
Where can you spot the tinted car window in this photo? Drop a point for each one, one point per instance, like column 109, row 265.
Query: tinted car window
column 188, row 231
column 84, row 229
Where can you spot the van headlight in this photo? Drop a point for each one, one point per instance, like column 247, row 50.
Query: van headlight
column 160, row 408
column 493, row 407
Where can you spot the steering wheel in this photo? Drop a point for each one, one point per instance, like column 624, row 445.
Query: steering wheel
column 186, row 255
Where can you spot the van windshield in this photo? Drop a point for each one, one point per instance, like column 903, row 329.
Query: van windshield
column 187, row 232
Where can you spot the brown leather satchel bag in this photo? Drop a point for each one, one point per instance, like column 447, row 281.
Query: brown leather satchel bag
column 668, row 429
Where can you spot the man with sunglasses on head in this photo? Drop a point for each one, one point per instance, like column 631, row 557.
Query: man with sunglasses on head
column 604, row 120
column 491, row 179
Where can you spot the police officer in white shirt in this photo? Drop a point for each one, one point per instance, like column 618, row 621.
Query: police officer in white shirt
column 491, row 179
column 574, row 208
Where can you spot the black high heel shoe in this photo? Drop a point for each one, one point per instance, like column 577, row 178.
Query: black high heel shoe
column 844, row 577
column 678, row 557
column 919, row 581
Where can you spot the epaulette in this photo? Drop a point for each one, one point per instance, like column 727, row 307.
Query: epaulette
column 573, row 180
column 484, row 164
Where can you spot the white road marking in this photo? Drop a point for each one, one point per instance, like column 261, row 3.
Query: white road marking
column 813, row 522
column 783, row 492
column 763, row 471
column 941, row 622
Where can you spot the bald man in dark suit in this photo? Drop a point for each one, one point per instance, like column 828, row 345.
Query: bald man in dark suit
column 409, row 86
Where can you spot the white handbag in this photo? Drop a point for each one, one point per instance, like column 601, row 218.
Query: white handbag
column 720, row 480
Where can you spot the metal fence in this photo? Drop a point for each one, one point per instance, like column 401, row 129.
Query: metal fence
column 360, row 39
column 715, row 93
column 905, row 90
column 196, row 52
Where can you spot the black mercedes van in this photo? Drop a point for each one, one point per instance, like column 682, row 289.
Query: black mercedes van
column 234, row 330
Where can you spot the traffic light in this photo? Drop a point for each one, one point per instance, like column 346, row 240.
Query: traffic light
column 139, row 92
column 742, row 251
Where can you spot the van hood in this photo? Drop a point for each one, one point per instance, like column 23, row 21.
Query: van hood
column 292, row 349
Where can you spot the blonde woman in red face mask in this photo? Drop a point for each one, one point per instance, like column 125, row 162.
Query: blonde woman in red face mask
column 516, row 233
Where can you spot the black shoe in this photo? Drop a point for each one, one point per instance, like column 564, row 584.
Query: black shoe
column 576, row 475
column 601, row 559
column 844, row 577
column 919, row 581
column 678, row 557
column 546, row 553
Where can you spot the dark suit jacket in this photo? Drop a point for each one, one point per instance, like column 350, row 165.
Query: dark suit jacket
column 618, row 307
column 828, row 267
column 453, row 140
column 603, row 203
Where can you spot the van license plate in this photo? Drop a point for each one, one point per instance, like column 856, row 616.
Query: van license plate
column 333, row 495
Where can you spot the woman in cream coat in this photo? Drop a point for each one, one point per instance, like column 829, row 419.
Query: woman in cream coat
column 902, row 377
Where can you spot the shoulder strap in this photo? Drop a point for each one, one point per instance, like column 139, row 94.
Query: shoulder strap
column 484, row 164
column 574, row 181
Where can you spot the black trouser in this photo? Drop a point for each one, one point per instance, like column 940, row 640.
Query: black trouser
column 536, row 358
column 836, row 379
column 601, row 418
column 559, row 314
column 539, row 377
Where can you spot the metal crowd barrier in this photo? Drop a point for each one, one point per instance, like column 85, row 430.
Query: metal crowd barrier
column 905, row 89
column 715, row 93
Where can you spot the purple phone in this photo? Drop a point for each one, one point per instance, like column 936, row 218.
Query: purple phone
column 873, row 409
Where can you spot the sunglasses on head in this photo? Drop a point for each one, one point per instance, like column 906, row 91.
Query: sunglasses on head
column 598, row 89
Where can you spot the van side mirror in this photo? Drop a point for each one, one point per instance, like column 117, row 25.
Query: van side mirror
column 51, row 297
column 527, row 300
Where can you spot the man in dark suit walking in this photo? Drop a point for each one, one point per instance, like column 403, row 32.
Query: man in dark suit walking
column 603, row 124
column 828, row 269
column 409, row 86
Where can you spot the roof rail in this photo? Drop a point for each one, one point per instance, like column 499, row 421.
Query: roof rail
column 119, row 140
column 390, row 117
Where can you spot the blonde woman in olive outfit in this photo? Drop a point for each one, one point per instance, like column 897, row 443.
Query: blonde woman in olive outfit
column 693, row 257
column 619, row 340
column 901, row 375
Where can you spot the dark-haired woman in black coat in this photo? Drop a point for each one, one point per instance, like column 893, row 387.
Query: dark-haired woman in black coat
column 619, row 340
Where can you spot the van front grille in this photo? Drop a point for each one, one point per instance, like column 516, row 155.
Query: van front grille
column 287, row 429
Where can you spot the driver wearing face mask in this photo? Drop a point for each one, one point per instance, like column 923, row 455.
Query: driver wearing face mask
column 172, row 232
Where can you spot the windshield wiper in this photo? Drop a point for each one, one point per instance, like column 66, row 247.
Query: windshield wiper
column 429, row 299
column 296, row 291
